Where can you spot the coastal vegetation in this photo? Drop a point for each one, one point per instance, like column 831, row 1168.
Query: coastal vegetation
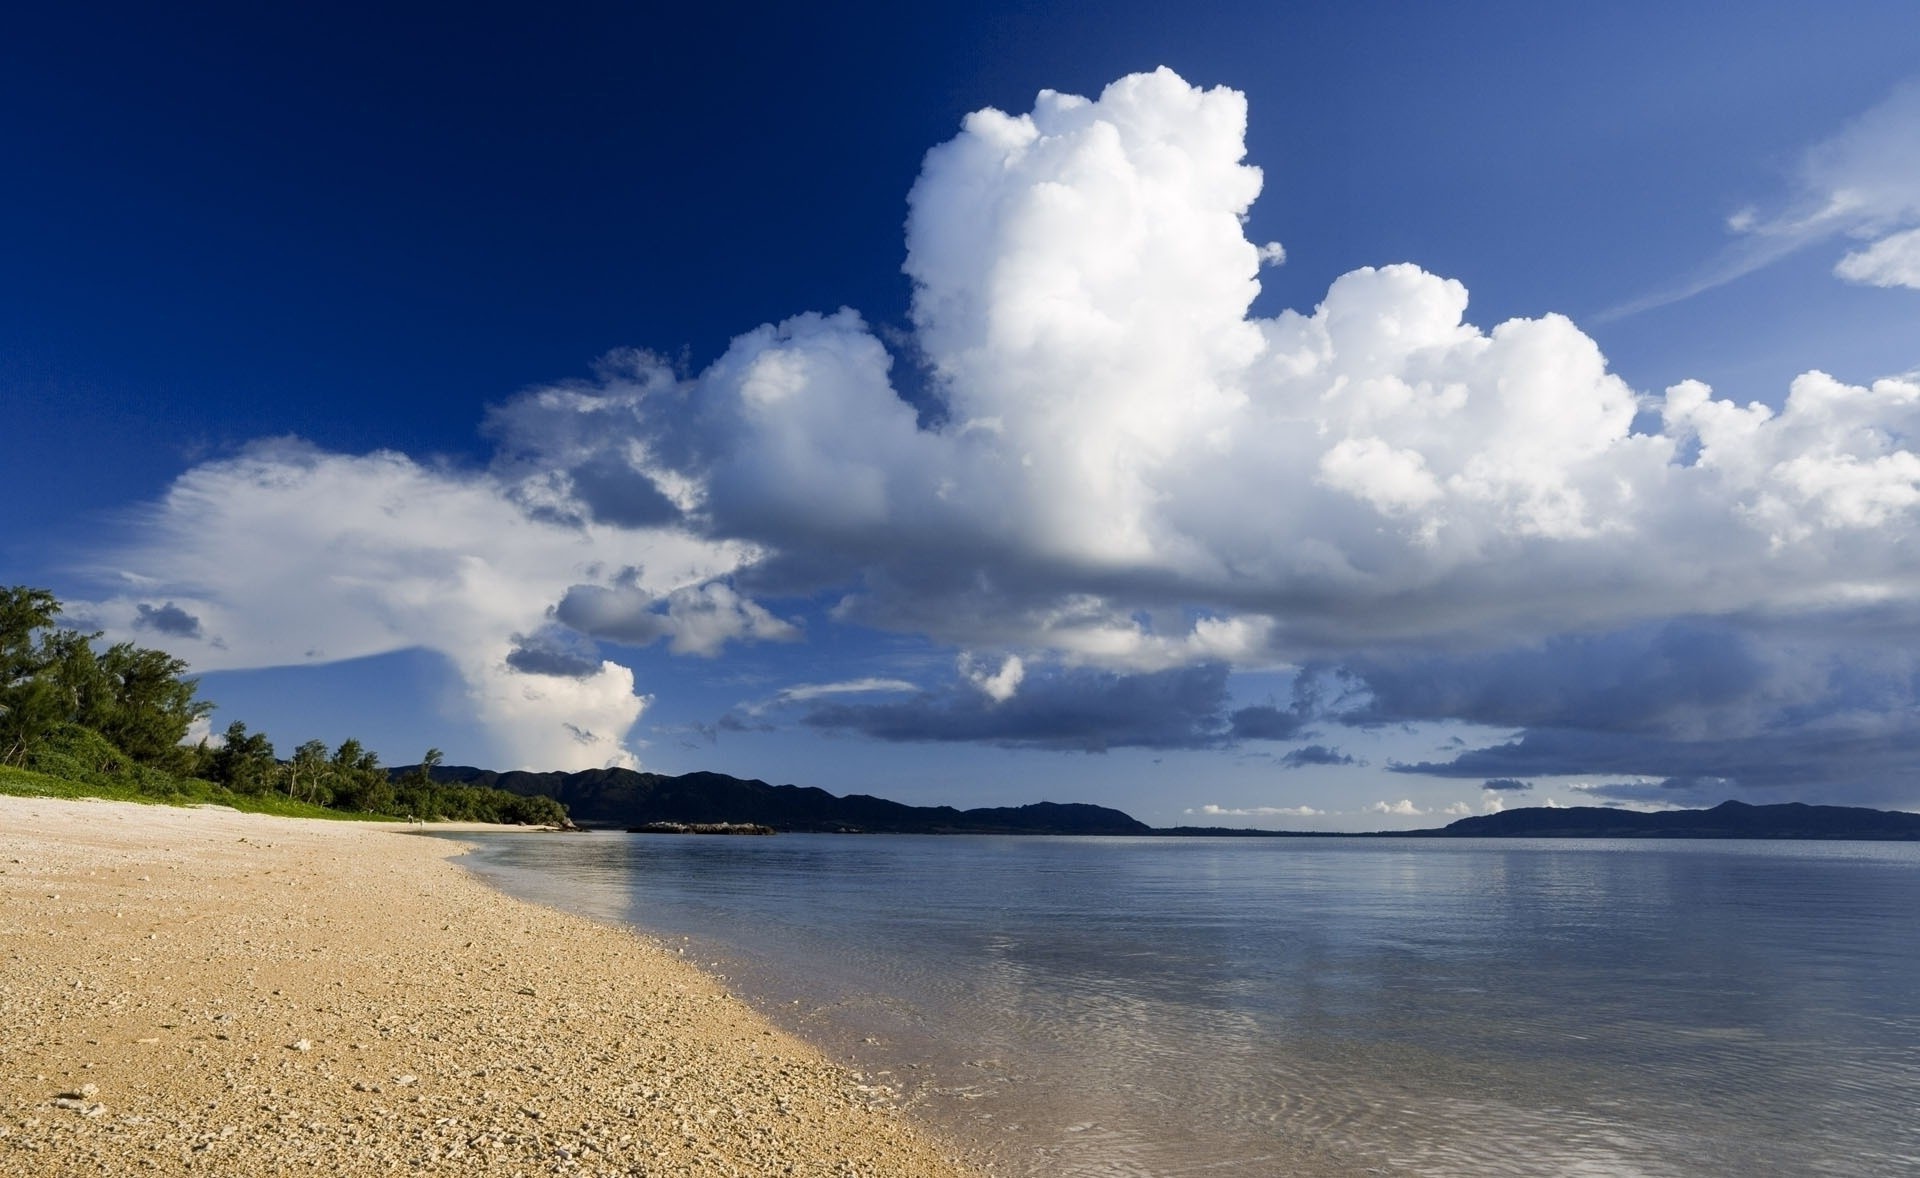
column 80, row 721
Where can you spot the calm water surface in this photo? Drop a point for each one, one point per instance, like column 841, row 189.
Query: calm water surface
column 1346, row 1006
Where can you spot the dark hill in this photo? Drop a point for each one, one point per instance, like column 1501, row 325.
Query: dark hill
column 624, row 797
column 1728, row 820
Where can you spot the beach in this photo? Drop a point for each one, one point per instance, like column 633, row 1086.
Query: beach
column 203, row 991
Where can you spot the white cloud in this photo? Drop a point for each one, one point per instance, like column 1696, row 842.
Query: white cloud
column 1214, row 811
column 997, row 686
column 1404, row 808
column 1133, row 472
column 1835, row 459
column 1128, row 469
column 801, row 692
column 1866, row 179
column 555, row 722
column 1892, row 261
column 201, row 729
column 1393, row 481
column 288, row 555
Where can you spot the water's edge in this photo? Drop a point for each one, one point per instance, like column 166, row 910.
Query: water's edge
column 1089, row 1006
column 881, row 1078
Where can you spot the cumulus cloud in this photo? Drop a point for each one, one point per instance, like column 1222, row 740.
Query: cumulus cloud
column 1108, row 407
column 1404, row 808
column 1140, row 485
column 1505, row 785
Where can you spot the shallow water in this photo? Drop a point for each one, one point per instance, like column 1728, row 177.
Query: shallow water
column 1093, row 1006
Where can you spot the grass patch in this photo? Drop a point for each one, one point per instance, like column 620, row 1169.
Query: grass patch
column 74, row 761
column 25, row 783
column 176, row 791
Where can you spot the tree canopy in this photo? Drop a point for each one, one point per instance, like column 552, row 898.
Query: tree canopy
column 123, row 714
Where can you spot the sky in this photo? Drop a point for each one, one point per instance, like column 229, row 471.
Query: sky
column 1308, row 416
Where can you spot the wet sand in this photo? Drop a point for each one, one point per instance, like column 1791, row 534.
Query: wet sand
column 201, row 991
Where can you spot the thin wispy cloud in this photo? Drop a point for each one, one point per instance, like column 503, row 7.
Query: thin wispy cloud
column 1861, row 185
column 803, row 692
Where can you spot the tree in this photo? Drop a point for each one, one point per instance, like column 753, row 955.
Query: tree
column 136, row 698
column 245, row 764
column 24, row 613
column 31, row 706
column 307, row 771
column 422, row 774
column 148, row 705
column 29, row 710
column 358, row 781
column 535, row 810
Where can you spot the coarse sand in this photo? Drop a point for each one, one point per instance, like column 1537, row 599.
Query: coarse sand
column 201, row 991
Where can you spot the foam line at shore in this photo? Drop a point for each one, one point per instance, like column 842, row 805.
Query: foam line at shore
column 205, row 991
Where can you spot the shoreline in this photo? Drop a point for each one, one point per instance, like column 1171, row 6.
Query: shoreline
column 205, row 991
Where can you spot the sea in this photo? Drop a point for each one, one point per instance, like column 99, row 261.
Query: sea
column 1315, row 1006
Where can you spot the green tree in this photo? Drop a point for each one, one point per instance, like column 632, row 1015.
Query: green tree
column 24, row 612
column 136, row 698
column 148, row 706
column 422, row 774
column 31, row 706
column 308, row 771
column 537, row 810
column 359, row 783
column 30, row 711
column 244, row 763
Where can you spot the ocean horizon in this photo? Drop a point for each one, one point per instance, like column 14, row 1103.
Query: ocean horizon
column 1160, row 1007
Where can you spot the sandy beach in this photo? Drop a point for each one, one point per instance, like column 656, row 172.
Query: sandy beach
column 201, row 991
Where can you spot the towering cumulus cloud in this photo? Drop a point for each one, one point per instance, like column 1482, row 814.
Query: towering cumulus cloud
column 1125, row 470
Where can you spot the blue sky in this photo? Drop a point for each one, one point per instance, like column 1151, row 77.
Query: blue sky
column 576, row 387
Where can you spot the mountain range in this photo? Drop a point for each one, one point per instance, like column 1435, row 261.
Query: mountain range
column 626, row 798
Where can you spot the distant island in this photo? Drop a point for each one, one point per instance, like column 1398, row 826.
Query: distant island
column 1728, row 820
column 627, row 799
